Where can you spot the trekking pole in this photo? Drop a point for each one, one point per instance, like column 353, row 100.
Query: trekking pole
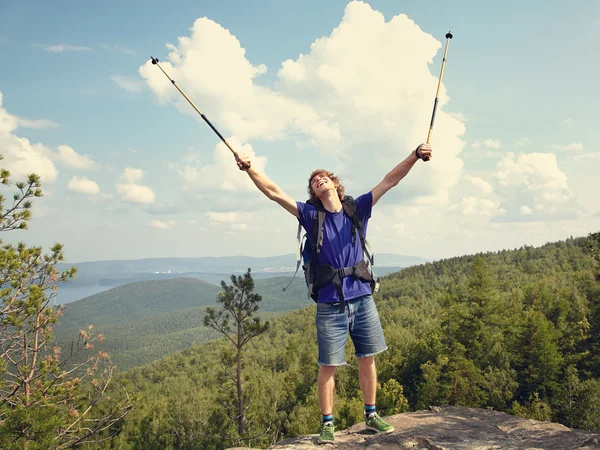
column 246, row 166
column 435, row 103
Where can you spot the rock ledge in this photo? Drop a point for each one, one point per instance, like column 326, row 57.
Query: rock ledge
column 455, row 428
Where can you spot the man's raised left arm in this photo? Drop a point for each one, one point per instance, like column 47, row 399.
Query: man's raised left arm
column 423, row 152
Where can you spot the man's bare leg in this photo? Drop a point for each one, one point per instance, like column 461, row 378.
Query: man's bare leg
column 367, row 378
column 326, row 384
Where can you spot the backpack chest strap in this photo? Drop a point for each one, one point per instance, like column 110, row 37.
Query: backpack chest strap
column 359, row 271
column 325, row 274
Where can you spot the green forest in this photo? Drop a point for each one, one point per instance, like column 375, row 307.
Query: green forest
column 516, row 331
column 145, row 321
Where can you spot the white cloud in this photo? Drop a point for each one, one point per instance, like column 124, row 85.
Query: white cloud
column 132, row 175
column 61, row 48
column 21, row 157
column 211, row 67
column 130, row 84
column 129, row 189
column 217, row 218
column 163, row 225
column 36, row 124
column 70, row 158
column 487, row 143
column 534, row 180
column 473, row 206
column 374, row 78
column 83, row 185
column 526, row 210
column 365, row 89
column 567, row 147
column 223, row 174
column 232, row 221
column 522, row 142
column 484, row 186
column 593, row 155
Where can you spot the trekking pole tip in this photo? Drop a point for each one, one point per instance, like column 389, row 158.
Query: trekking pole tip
column 154, row 60
column 449, row 35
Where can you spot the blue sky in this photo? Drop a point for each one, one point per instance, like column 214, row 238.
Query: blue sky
column 129, row 170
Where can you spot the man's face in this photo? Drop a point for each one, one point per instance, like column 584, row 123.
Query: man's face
column 321, row 183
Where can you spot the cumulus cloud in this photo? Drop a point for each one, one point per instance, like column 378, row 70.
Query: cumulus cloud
column 366, row 89
column 22, row 157
column 36, row 124
column 217, row 218
column 488, row 148
column 483, row 186
column 373, row 78
column 567, row 147
column 526, row 210
column 129, row 84
column 61, row 48
column 83, row 185
column 474, row 206
column 69, row 157
column 487, row 143
column 223, row 174
column 593, row 155
column 163, row 225
column 232, row 221
column 129, row 189
column 533, row 186
column 212, row 66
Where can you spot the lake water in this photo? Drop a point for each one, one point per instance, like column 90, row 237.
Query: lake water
column 67, row 294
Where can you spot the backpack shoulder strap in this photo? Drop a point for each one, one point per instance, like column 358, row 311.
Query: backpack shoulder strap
column 349, row 206
column 318, row 230
column 351, row 211
column 316, row 244
column 299, row 247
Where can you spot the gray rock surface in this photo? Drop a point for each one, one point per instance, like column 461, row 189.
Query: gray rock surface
column 455, row 428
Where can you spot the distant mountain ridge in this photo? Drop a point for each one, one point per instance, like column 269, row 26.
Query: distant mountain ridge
column 211, row 269
column 220, row 262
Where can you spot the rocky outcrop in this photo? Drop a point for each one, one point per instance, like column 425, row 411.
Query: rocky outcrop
column 456, row 428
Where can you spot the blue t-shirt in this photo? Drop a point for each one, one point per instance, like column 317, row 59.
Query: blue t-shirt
column 338, row 250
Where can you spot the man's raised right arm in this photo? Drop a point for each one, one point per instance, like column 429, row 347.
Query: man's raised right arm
column 267, row 187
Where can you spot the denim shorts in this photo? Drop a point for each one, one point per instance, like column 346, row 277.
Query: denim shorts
column 360, row 319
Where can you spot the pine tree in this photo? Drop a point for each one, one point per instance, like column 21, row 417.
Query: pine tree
column 236, row 320
column 46, row 398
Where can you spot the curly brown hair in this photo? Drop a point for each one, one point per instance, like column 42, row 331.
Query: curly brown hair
column 333, row 177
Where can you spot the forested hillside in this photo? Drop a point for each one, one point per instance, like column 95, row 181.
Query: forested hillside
column 143, row 322
column 517, row 331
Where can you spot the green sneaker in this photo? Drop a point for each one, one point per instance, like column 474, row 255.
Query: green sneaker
column 327, row 434
column 377, row 424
